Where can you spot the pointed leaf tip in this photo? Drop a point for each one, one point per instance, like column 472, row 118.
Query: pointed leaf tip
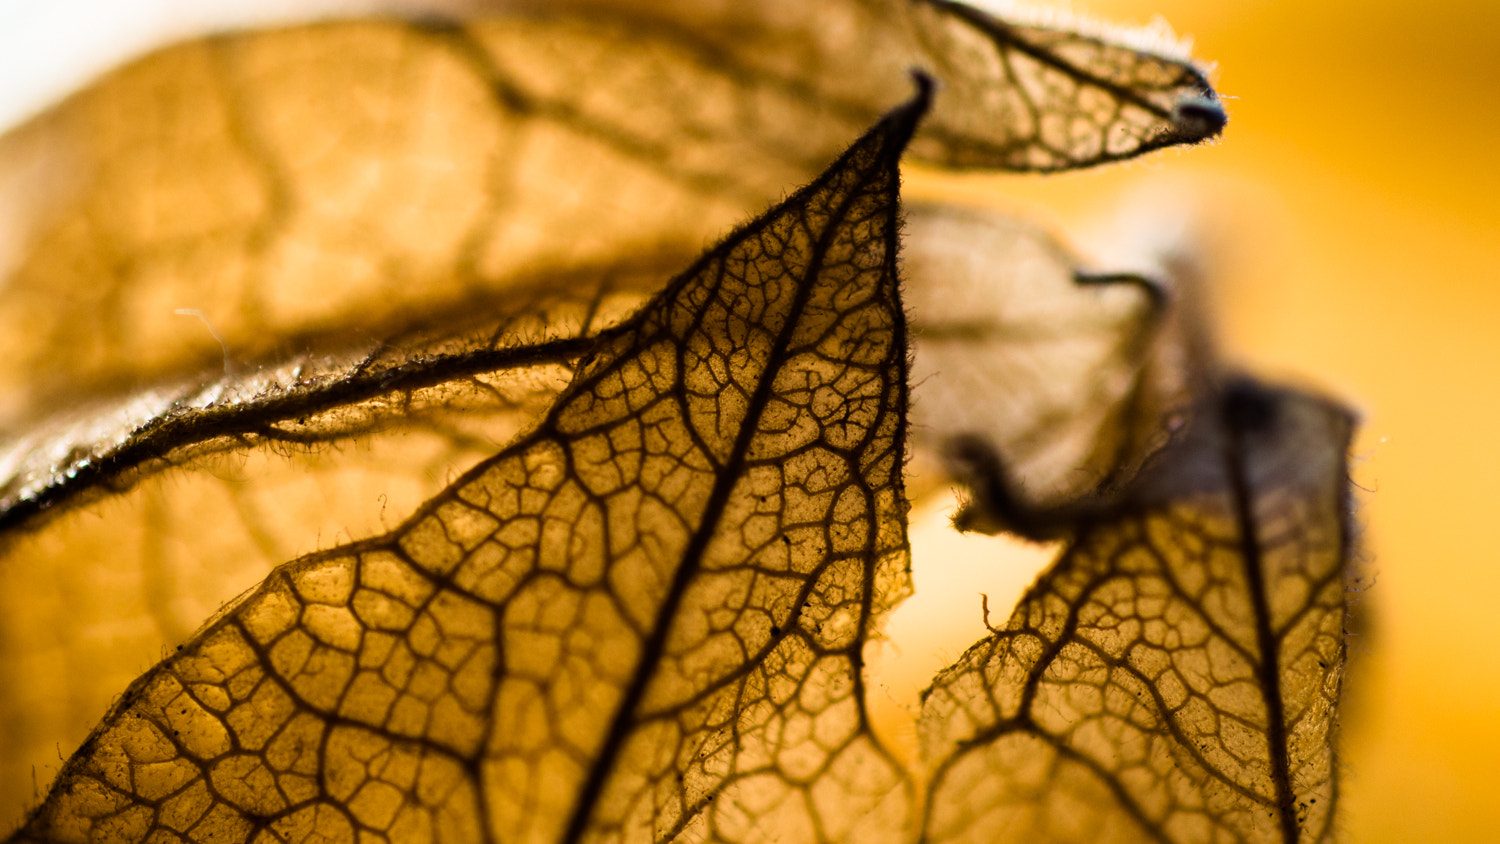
column 1200, row 118
column 895, row 130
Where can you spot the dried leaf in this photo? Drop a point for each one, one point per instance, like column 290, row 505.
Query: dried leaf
column 1175, row 675
column 399, row 240
column 136, row 521
column 400, row 170
column 642, row 620
column 323, row 197
column 197, row 495
column 1022, row 352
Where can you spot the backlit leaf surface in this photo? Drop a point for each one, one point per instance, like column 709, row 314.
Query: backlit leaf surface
column 1018, row 347
column 1175, row 675
column 293, row 183
column 392, row 241
column 136, row 523
column 641, row 621
column 281, row 270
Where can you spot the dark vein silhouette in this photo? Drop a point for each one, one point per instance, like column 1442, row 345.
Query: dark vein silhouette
column 546, row 649
column 322, row 195
column 644, row 618
column 235, row 175
column 1175, row 676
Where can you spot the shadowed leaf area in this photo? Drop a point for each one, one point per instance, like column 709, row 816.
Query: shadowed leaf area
column 643, row 620
column 1175, row 675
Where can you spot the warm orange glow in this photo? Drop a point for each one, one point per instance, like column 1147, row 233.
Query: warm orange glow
column 1351, row 206
column 1347, row 224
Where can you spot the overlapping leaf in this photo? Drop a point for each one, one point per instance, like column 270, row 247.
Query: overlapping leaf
column 1175, row 676
column 1018, row 348
column 644, row 619
column 641, row 621
column 196, row 492
column 326, row 196
column 291, row 183
column 1023, row 94
column 325, row 436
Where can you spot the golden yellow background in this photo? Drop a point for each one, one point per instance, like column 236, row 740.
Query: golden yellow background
column 1353, row 225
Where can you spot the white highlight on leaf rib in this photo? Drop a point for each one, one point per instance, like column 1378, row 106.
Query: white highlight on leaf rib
column 72, row 440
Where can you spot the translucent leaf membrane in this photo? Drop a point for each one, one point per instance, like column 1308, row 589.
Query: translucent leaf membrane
column 264, row 465
column 642, row 621
column 1021, row 93
column 325, row 196
column 304, row 186
column 191, row 497
column 293, row 183
column 1175, row 675
column 314, row 398
column 1017, row 347
column 1015, row 344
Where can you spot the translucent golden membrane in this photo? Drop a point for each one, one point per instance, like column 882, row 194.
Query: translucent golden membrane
column 295, row 183
column 692, row 545
column 323, row 196
column 1016, row 344
column 354, row 680
column 1175, row 675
